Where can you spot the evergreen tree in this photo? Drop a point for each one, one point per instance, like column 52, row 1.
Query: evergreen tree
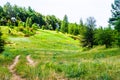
column 88, row 36
column 115, row 19
column 64, row 25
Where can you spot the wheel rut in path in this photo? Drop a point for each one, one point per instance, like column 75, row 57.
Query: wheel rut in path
column 11, row 68
column 30, row 61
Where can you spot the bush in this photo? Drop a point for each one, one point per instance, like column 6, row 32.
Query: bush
column 35, row 26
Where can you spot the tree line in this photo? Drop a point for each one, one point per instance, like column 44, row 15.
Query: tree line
column 27, row 17
column 108, row 36
column 27, row 20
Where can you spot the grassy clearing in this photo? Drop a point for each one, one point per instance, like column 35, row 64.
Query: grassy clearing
column 59, row 57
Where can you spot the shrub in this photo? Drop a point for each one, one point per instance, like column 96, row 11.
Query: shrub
column 35, row 26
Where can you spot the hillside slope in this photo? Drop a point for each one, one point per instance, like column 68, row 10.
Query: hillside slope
column 58, row 57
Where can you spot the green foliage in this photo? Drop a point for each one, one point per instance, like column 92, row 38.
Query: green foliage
column 117, row 38
column 73, row 29
column 75, row 70
column 51, row 22
column 35, row 26
column 104, row 37
column 88, row 36
column 64, row 25
column 9, row 23
column 117, row 25
column 104, row 76
column 29, row 32
column 43, row 27
column 57, row 58
column 82, row 27
column 11, row 15
column 4, row 73
column 1, row 42
column 50, row 27
column 57, row 29
column 115, row 19
column 20, row 23
column 28, row 22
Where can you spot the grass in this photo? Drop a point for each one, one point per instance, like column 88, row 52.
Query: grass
column 59, row 57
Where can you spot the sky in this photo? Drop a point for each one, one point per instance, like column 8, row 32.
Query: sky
column 74, row 9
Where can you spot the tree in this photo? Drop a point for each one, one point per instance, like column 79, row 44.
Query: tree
column 64, row 25
column 115, row 19
column 8, row 10
column 88, row 36
column 1, row 42
column 1, row 11
column 73, row 28
column 12, row 15
column 104, row 36
column 51, row 21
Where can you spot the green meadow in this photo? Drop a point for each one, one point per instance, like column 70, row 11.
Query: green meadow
column 57, row 57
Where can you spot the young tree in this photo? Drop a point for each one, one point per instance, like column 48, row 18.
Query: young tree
column 88, row 36
column 64, row 25
column 1, row 42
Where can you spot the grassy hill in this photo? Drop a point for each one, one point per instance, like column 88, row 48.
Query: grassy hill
column 58, row 57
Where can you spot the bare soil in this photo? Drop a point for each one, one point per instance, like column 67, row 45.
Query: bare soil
column 30, row 61
column 11, row 68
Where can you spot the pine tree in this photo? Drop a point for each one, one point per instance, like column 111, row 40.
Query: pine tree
column 64, row 25
column 115, row 19
column 88, row 36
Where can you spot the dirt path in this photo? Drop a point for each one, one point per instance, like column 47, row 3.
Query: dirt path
column 11, row 68
column 30, row 61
